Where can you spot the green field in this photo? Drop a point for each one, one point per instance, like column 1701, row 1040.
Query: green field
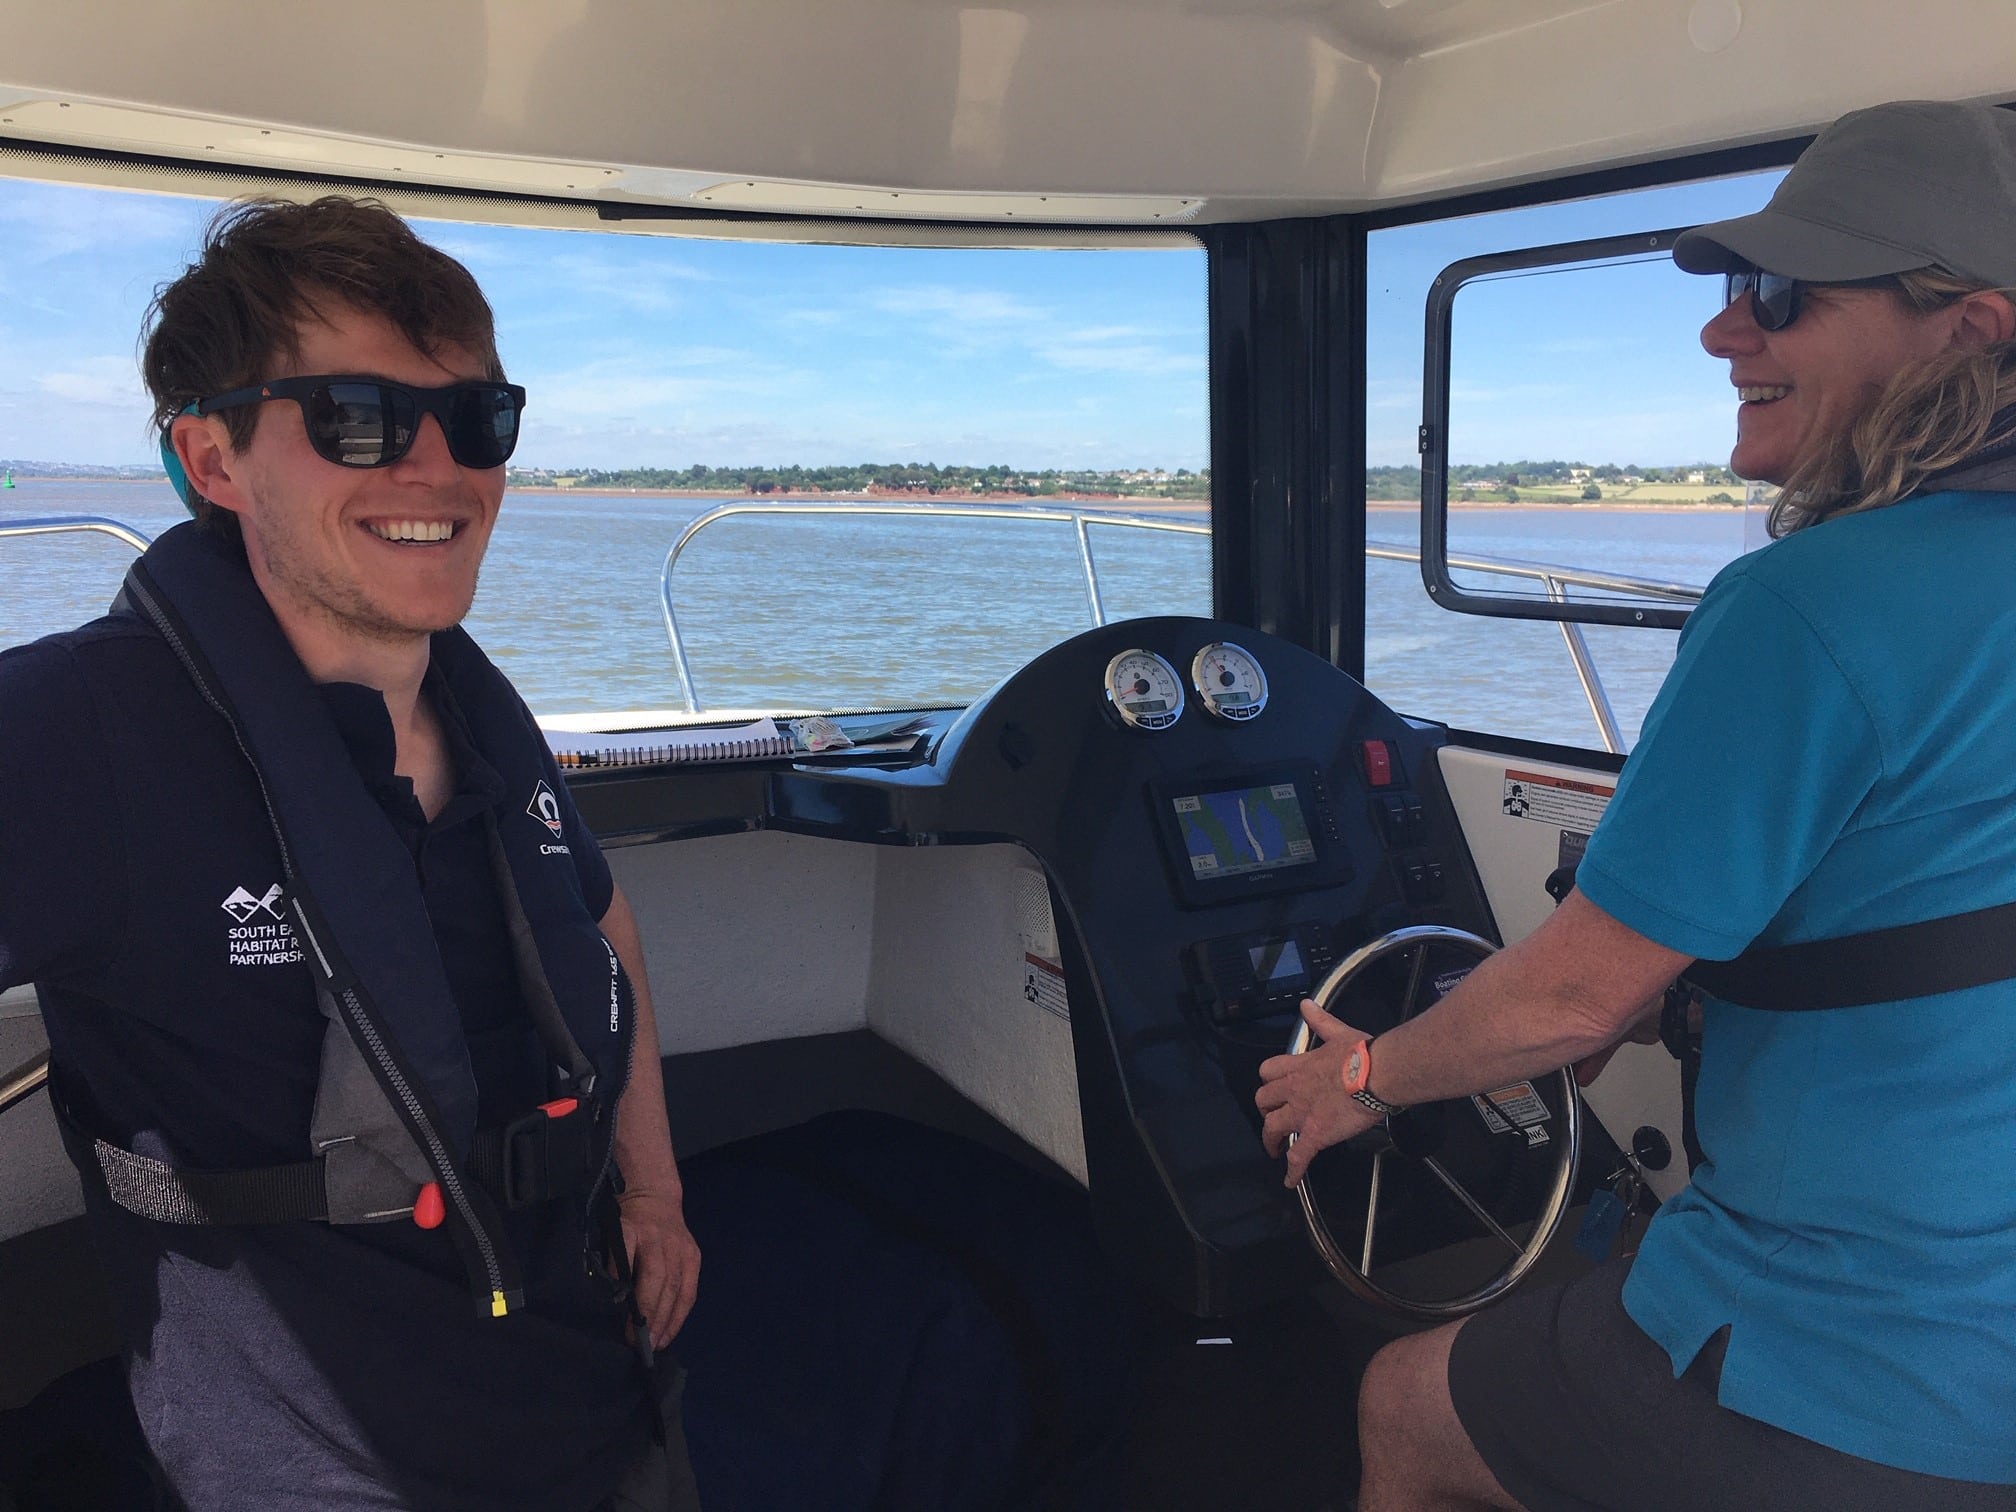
column 1641, row 493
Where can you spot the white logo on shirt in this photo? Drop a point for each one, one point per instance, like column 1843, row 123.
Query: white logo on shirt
column 545, row 807
column 241, row 905
column 260, row 943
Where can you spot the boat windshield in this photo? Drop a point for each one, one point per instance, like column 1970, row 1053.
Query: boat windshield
column 859, row 395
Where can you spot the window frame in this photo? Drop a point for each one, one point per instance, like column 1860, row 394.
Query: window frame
column 1434, row 435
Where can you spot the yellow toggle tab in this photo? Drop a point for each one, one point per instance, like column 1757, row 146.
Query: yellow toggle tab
column 498, row 1306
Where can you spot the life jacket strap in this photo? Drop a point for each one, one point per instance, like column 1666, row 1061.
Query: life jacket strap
column 542, row 1157
column 1905, row 961
column 170, row 1194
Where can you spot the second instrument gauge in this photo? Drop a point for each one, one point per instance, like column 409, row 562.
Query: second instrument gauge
column 1229, row 681
column 1144, row 690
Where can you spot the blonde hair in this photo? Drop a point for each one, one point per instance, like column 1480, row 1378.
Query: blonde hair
column 1929, row 417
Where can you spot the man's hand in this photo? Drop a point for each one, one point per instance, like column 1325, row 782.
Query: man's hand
column 1304, row 1095
column 664, row 1262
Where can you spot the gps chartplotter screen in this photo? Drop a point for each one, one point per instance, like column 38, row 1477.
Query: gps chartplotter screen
column 1247, row 829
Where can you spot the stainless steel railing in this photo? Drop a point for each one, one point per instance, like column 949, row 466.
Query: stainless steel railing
column 24, row 1080
column 1554, row 580
column 1557, row 581
column 75, row 525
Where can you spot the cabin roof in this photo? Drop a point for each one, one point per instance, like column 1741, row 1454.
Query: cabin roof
column 1149, row 112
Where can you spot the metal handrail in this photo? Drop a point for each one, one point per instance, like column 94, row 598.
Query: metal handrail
column 24, row 1080
column 1554, row 579
column 1079, row 521
column 1557, row 581
column 76, row 524
column 1546, row 572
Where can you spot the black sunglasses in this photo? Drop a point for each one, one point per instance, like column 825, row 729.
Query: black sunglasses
column 370, row 422
column 1774, row 298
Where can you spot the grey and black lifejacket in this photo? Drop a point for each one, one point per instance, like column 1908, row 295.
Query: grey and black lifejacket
column 394, row 1132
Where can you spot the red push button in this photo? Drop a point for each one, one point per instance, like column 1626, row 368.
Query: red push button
column 1378, row 764
column 428, row 1208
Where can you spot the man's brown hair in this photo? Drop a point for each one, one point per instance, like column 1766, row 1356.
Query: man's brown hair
column 267, row 267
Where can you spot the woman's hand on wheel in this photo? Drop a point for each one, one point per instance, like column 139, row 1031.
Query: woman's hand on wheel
column 1303, row 1095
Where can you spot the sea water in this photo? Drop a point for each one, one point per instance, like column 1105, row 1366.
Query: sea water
column 825, row 612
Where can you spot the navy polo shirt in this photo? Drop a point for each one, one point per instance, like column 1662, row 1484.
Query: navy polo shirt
column 289, row 1365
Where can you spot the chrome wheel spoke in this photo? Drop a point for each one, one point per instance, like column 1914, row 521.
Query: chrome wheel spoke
column 1372, row 1212
column 1476, row 1208
column 1408, row 998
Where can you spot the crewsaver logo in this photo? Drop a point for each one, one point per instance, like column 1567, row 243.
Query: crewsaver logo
column 545, row 808
column 241, row 905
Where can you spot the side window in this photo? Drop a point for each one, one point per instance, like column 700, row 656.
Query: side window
column 924, row 464
column 1587, row 438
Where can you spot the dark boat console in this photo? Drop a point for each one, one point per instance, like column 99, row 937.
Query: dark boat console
column 1209, row 859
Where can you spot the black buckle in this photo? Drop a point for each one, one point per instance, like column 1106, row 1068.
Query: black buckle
column 545, row 1153
column 1676, row 1030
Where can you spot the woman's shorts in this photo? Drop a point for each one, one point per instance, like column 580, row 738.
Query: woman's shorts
column 1575, row 1409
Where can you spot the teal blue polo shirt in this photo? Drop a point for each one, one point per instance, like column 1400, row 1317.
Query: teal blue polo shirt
column 1835, row 751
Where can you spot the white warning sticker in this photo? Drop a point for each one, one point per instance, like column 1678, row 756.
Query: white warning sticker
column 1563, row 802
column 1043, row 985
column 1517, row 1106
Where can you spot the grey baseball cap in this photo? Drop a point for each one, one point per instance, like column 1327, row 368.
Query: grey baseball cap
column 1911, row 184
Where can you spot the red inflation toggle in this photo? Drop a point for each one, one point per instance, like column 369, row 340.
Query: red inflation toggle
column 560, row 1107
column 428, row 1208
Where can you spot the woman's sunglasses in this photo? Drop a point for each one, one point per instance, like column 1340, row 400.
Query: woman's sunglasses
column 1774, row 298
column 369, row 422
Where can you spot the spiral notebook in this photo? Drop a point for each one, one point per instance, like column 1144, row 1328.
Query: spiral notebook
column 751, row 741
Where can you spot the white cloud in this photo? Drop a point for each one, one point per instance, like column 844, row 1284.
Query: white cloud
column 49, row 223
column 654, row 286
column 969, row 307
column 110, row 382
column 1116, row 349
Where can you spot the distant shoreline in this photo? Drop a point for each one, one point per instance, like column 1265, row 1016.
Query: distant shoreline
column 872, row 496
column 1136, row 503
column 1590, row 506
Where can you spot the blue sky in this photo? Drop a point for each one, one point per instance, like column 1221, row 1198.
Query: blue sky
column 1599, row 366
column 651, row 351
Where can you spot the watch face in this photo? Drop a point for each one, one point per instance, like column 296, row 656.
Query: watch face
column 1354, row 1070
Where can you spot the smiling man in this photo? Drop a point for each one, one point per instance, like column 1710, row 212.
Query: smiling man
column 341, row 997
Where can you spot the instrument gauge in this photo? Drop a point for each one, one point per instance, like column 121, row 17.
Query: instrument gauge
column 1143, row 690
column 1229, row 681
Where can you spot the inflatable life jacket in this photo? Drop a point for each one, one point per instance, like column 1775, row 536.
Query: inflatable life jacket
column 393, row 1135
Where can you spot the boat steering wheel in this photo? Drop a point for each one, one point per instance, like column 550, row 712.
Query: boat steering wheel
column 1486, row 1153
